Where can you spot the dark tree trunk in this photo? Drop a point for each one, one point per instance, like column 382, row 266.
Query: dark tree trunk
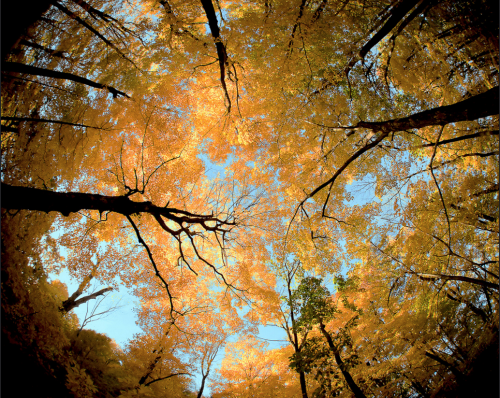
column 208, row 7
column 295, row 343
column 54, row 53
column 200, row 392
column 398, row 14
column 166, row 377
column 459, row 375
column 15, row 197
column 71, row 303
column 478, row 106
column 37, row 120
column 481, row 105
column 151, row 367
column 347, row 376
column 474, row 281
column 33, row 70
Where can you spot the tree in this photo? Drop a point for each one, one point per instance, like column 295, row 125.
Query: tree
column 316, row 308
column 357, row 138
column 288, row 318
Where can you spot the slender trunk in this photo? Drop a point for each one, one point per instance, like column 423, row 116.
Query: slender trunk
column 472, row 307
column 69, row 304
column 200, row 392
column 151, row 367
column 295, row 343
column 166, row 377
column 303, row 385
column 37, row 120
column 208, row 7
column 33, row 70
column 86, row 25
column 347, row 376
column 461, row 138
column 93, row 11
column 419, row 388
column 54, row 53
column 474, row 281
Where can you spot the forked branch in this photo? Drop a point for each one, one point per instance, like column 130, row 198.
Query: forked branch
column 208, row 7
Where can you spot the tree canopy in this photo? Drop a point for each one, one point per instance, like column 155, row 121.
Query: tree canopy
column 354, row 202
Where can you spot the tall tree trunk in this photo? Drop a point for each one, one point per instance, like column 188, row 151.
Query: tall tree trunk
column 15, row 197
column 481, row 105
column 203, row 379
column 474, row 281
column 303, row 385
column 398, row 13
column 33, row 70
column 70, row 304
column 295, row 342
column 54, row 53
column 459, row 375
column 347, row 376
column 38, row 120
column 208, row 7
column 478, row 106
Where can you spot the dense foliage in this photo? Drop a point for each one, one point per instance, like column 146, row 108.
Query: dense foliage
column 354, row 202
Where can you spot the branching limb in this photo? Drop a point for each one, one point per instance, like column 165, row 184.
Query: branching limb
column 397, row 14
column 38, row 120
column 75, row 17
column 481, row 105
column 167, row 377
column 33, row 70
column 157, row 272
column 208, row 7
column 475, row 281
column 439, row 190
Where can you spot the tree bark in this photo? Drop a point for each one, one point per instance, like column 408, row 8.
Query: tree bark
column 208, row 7
column 459, row 375
column 54, row 53
column 200, row 392
column 164, row 378
column 348, row 378
column 481, row 105
column 86, row 25
column 33, row 70
column 478, row 106
column 461, row 138
column 15, row 197
column 37, row 120
column 472, row 307
column 70, row 304
column 151, row 367
column 474, row 281
column 398, row 13
column 295, row 342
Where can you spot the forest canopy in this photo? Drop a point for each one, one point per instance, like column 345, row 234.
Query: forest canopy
column 355, row 203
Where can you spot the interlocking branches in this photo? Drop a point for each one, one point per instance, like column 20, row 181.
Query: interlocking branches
column 479, row 106
column 145, row 179
column 180, row 224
